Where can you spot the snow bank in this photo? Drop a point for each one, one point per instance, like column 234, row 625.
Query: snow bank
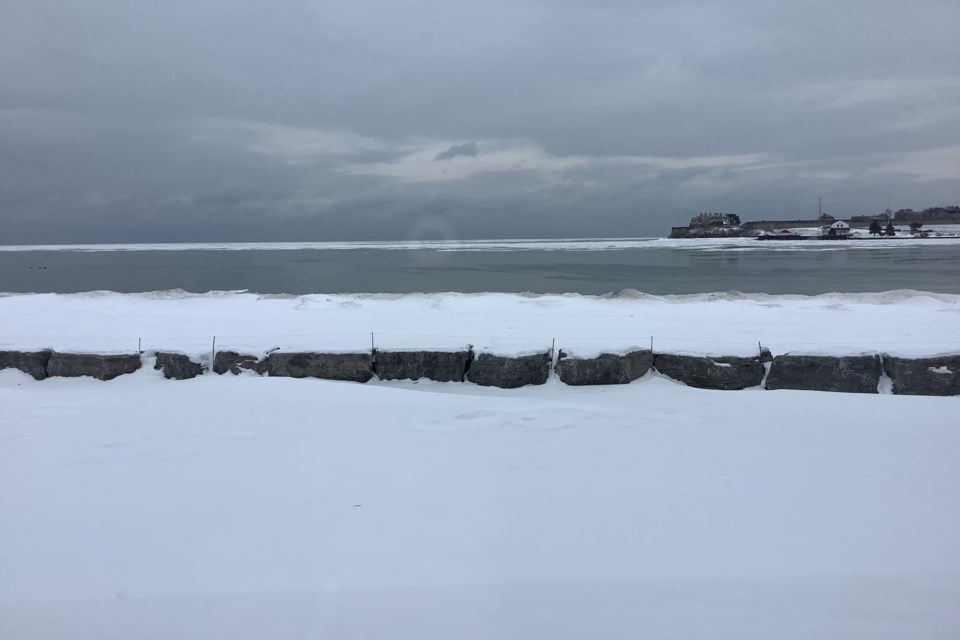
column 908, row 323
column 240, row 508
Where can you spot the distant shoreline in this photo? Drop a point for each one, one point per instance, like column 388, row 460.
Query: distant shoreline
column 728, row 225
column 856, row 238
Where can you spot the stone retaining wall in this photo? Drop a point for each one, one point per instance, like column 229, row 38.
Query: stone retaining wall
column 935, row 376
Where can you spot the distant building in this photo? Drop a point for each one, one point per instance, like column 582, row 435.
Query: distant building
column 838, row 229
column 715, row 220
column 709, row 225
column 916, row 231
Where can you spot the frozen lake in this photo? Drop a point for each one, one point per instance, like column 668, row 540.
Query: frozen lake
column 543, row 266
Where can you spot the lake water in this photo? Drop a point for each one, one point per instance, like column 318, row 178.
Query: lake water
column 549, row 266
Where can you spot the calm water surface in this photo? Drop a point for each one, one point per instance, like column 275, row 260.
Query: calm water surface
column 651, row 269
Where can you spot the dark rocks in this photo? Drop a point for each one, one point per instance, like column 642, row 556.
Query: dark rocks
column 71, row 365
column 717, row 372
column 234, row 362
column 849, row 374
column 607, row 368
column 937, row 376
column 176, row 366
column 442, row 366
column 509, row 372
column 355, row 367
column 33, row 363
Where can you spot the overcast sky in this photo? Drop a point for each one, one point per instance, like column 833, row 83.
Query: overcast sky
column 225, row 120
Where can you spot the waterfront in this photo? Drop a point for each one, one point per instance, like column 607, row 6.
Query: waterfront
column 588, row 267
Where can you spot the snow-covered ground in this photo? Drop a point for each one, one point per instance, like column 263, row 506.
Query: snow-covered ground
column 246, row 507
column 896, row 322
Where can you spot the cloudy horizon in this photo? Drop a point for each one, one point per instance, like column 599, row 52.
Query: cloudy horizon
column 255, row 121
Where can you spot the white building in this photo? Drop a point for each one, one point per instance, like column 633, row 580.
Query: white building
column 838, row 229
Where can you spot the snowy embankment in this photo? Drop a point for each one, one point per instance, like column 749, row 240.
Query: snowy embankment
column 906, row 323
column 252, row 507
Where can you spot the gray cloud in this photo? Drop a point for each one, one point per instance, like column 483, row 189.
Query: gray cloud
column 150, row 121
column 468, row 149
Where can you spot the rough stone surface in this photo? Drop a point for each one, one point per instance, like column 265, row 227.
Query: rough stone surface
column 33, row 363
column 234, row 362
column 509, row 372
column 849, row 374
column 711, row 372
column 442, row 366
column 938, row 376
column 71, row 365
column 607, row 368
column 176, row 366
column 355, row 367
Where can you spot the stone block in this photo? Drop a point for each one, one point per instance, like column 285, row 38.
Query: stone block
column 33, row 363
column 355, row 367
column 711, row 372
column 509, row 372
column 937, row 376
column 176, row 366
column 607, row 368
column 234, row 362
column 102, row 367
column 848, row 374
column 442, row 366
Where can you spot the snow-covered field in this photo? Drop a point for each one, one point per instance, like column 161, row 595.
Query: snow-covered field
column 246, row 507
column 896, row 322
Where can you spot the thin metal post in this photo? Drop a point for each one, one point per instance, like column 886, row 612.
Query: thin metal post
column 373, row 346
column 213, row 353
column 651, row 344
column 139, row 350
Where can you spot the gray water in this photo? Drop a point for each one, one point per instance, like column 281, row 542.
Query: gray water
column 651, row 269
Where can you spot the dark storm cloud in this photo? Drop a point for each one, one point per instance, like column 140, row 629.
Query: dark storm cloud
column 468, row 149
column 216, row 120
